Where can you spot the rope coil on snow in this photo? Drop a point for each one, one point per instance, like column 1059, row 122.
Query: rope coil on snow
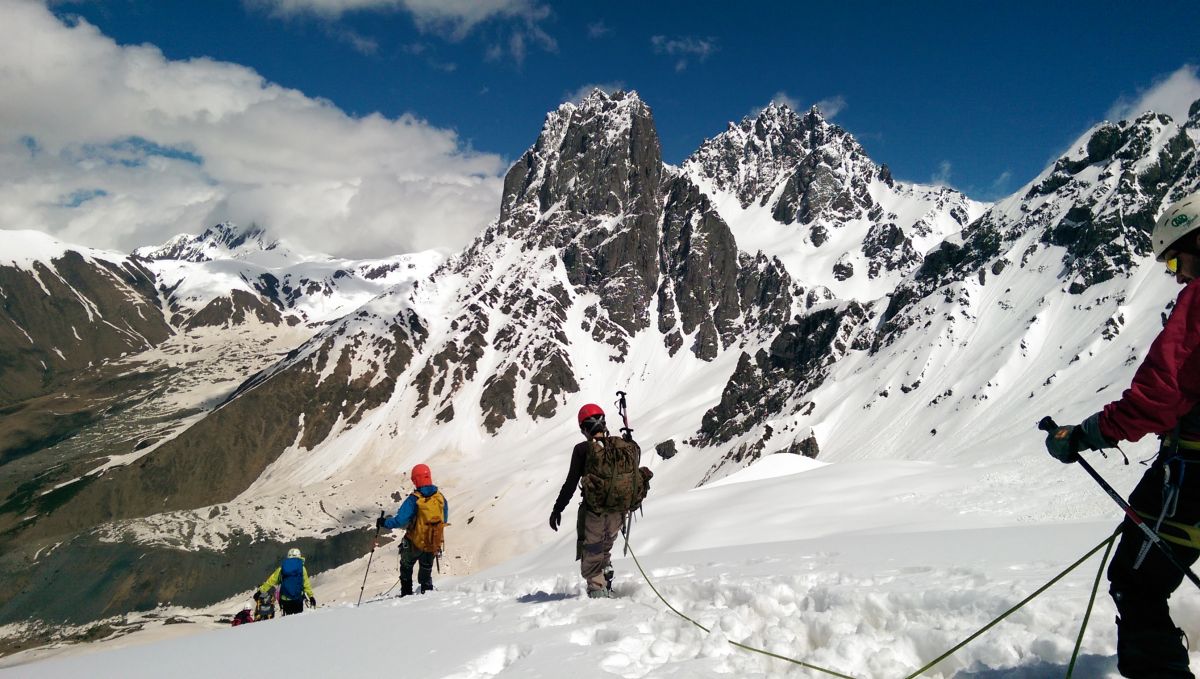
column 1108, row 542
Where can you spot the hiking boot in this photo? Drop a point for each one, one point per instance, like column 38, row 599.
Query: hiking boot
column 608, row 577
column 426, row 588
column 601, row 594
column 406, row 591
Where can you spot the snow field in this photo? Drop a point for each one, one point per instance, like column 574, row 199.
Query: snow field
column 858, row 568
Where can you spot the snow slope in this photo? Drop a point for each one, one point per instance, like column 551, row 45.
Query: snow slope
column 869, row 569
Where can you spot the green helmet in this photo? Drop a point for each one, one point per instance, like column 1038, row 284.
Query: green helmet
column 1179, row 220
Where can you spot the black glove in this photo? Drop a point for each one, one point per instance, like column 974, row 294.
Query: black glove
column 379, row 523
column 555, row 519
column 312, row 601
column 1065, row 443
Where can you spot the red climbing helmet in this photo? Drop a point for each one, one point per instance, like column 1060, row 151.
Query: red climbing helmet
column 590, row 410
column 421, row 476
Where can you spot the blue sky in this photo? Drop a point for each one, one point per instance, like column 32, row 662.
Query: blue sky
column 978, row 96
column 993, row 89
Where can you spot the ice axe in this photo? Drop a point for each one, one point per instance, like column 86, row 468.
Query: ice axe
column 374, row 544
column 626, row 432
column 1047, row 424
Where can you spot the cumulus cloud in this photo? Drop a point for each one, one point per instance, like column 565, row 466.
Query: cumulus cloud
column 119, row 147
column 580, row 94
column 1171, row 95
column 684, row 48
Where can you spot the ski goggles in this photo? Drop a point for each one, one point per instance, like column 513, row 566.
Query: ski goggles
column 1171, row 259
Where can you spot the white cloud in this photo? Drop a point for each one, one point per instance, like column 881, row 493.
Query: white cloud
column 582, row 92
column 684, row 48
column 831, row 106
column 598, row 30
column 453, row 19
column 117, row 147
column 942, row 176
column 1171, row 95
column 785, row 99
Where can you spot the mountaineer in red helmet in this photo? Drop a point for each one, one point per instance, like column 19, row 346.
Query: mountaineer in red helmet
column 424, row 516
column 612, row 486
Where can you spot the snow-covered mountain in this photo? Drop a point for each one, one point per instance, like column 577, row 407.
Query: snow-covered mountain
column 800, row 188
column 778, row 293
column 226, row 274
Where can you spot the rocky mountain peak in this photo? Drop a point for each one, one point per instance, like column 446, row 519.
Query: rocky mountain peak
column 599, row 157
column 751, row 159
column 220, row 241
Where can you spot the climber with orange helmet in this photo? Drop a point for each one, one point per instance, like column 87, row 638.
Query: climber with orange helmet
column 424, row 516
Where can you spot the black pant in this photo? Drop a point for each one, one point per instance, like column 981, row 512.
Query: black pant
column 1148, row 643
column 411, row 556
column 291, row 606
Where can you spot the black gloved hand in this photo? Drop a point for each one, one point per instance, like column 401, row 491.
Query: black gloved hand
column 379, row 523
column 555, row 519
column 312, row 601
column 1063, row 444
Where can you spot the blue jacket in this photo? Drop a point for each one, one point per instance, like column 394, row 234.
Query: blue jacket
column 409, row 509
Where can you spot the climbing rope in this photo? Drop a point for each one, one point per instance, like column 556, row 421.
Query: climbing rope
column 1108, row 543
column 1091, row 600
column 707, row 630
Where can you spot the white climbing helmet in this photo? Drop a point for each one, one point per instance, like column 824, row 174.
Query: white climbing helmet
column 294, row 553
column 1178, row 221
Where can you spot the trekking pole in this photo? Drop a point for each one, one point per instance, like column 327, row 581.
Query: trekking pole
column 374, row 544
column 1047, row 425
column 626, row 432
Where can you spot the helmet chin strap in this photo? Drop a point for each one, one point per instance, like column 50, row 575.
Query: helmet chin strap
column 596, row 426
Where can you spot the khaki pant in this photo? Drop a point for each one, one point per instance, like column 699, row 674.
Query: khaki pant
column 596, row 535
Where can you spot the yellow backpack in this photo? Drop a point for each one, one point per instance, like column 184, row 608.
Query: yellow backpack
column 426, row 530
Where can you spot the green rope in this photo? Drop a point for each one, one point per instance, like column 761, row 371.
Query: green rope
column 707, row 630
column 1108, row 541
column 1088, row 613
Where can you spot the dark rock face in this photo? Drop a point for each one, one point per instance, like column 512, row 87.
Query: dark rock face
column 69, row 314
column 589, row 187
column 708, row 289
column 888, row 249
column 796, row 363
